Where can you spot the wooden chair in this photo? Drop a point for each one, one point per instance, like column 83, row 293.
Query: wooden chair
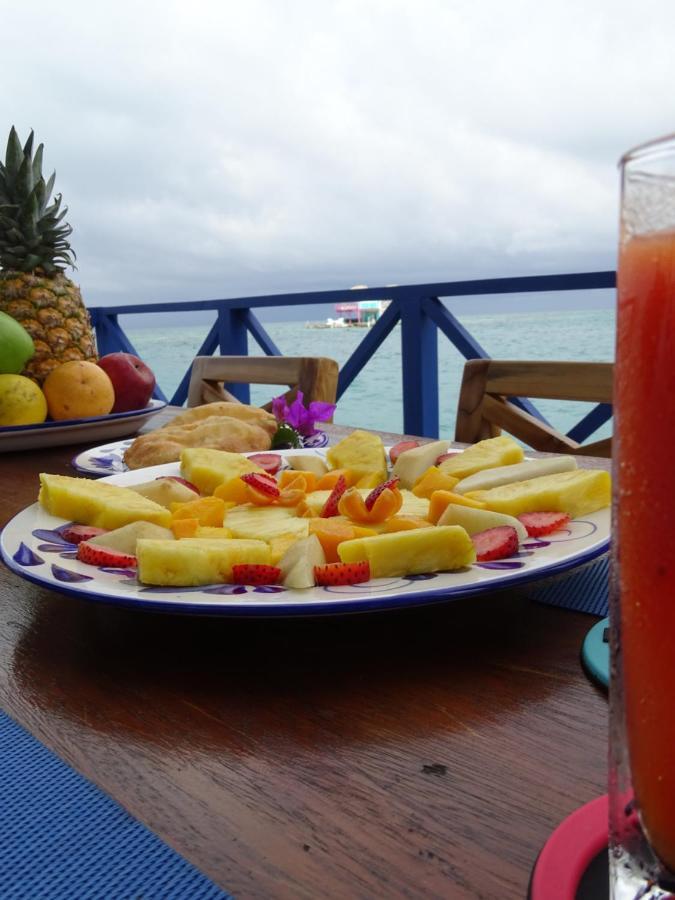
column 484, row 408
column 315, row 376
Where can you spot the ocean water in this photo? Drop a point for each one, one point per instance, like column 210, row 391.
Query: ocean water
column 374, row 398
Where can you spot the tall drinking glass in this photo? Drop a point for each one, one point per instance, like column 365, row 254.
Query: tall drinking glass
column 642, row 695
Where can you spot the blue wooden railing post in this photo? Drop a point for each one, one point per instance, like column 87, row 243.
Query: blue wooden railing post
column 233, row 341
column 421, row 309
column 419, row 357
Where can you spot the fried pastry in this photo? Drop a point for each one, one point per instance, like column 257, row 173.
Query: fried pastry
column 216, row 432
column 251, row 414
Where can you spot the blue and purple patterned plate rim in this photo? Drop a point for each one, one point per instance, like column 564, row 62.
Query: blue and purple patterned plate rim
column 32, row 545
column 108, row 459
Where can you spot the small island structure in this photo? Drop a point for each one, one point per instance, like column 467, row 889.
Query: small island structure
column 355, row 314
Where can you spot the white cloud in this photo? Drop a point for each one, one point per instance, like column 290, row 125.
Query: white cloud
column 217, row 148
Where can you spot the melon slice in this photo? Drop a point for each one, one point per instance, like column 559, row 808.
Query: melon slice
column 124, row 539
column 412, row 464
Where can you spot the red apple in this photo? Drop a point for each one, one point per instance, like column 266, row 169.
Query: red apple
column 132, row 380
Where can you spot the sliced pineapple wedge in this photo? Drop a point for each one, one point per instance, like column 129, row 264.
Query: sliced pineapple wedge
column 487, row 479
column 577, row 493
column 195, row 561
column 498, row 451
column 264, row 522
column 414, row 552
column 98, row 503
column 362, row 453
column 206, row 469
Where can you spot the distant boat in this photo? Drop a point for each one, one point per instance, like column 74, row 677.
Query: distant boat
column 355, row 314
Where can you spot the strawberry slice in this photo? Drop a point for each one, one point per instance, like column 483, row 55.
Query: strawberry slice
column 375, row 493
column 540, row 523
column 262, row 482
column 95, row 555
column 401, row 447
column 270, row 462
column 253, row 573
column 342, row 573
column 495, row 543
column 75, row 534
column 330, row 507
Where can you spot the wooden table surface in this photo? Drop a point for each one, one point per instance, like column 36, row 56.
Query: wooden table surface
column 426, row 753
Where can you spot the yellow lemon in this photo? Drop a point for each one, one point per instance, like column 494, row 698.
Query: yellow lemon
column 21, row 401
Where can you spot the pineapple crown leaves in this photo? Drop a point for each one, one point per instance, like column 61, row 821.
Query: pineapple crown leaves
column 32, row 232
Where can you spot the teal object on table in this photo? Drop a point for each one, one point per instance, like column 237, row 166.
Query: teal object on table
column 595, row 652
column 61, row 837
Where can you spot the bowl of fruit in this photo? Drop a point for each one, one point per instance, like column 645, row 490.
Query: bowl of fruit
column 54, row 389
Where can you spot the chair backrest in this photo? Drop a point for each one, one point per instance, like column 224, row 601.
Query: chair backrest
column 484, row 408
column 315, row 376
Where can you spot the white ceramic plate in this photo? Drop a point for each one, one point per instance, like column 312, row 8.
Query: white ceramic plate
column 76, row 431
column 108, row 459
column 32, row 546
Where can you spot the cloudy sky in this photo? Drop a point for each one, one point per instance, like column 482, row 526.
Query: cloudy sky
column 214, row 149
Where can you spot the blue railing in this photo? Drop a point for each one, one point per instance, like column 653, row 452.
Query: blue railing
column 418, row 308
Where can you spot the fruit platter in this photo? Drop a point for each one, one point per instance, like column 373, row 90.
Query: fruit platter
column 348, row 528
column 79, row 400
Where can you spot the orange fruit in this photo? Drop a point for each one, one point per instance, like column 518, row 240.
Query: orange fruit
column 78, row 390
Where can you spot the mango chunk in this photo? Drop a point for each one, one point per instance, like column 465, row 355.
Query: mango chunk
column 195, row 561
column 304, row 481
column 207, row 510
column 184, row 528
column 413, row 552
column 412, row 505
column 433, row 480
column 577, row 493
column 405, row 523
column 328, row 481
column 234, row 490
column 498, row 451
column 333, row 531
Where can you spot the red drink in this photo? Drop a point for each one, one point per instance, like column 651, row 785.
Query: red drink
column 645, row 474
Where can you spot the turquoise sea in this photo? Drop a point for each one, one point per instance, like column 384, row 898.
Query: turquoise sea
column 374, row 399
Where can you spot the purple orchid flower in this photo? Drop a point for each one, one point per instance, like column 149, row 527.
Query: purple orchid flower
column 300, row 417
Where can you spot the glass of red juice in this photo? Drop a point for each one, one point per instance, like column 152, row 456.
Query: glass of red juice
column 642, row 611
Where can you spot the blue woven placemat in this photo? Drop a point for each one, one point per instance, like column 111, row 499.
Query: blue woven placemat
column 585, row 589
column 61, row 837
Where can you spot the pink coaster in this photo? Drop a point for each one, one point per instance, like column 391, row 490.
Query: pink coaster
column 566, row 856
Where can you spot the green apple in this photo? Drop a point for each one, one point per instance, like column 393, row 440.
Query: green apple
column 16, row 345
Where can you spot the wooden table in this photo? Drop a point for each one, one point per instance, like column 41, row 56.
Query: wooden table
column 421, row 754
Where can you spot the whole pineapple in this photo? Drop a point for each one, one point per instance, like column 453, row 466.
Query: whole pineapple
column 34, row 251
